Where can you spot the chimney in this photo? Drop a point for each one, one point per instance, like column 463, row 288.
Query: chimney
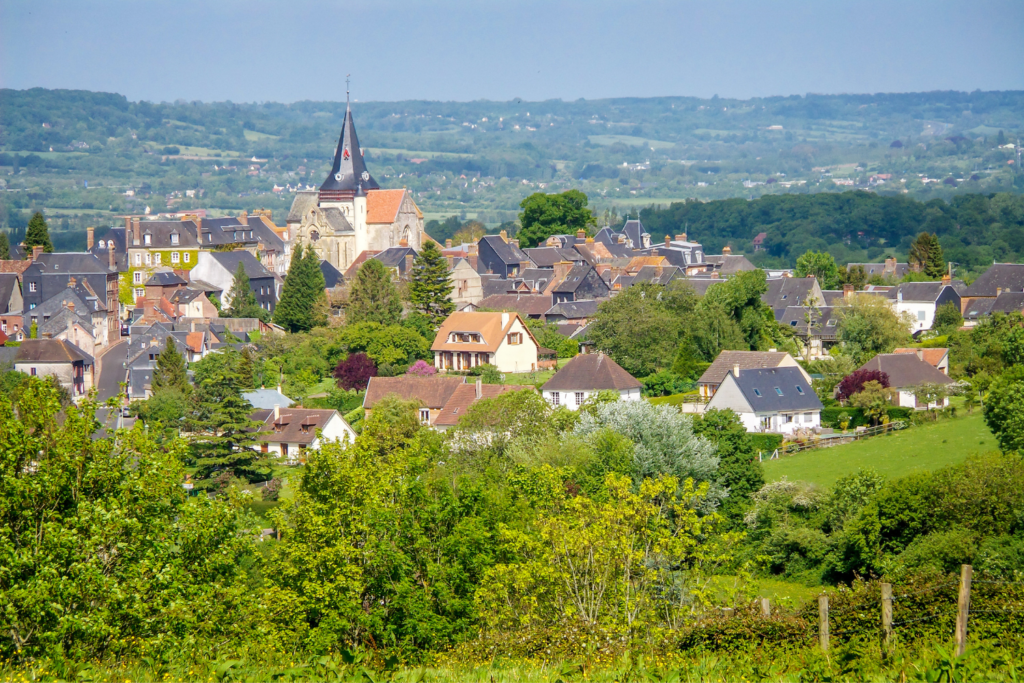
column 890, row 265
column 111, row 255
column 946, row 279
column 590, row 240
column 90, row 234
column 199, row 224
column 736, row 370
column 726, row 250
column 451, row 262
column 581, row 234
column 192, row 326
column 279, row 389
column 714, row 275
column 999, row 290
column 127, row 226
column 277, row 412
column 504, row 319
column 136, row 232
column 473, row 250
column 772, row 350
column 243, row 218
column 562, row 269
column 810, row 275
column 448, row 244
column 36, row 252
column 523, row 265
column 681, row 237
column 847, row 292
column 71, row 305
column 408, row 264
column 504, row 236
column 479, row 388
column 668, row 240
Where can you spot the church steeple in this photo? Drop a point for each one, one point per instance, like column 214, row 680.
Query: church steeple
column 348, row 174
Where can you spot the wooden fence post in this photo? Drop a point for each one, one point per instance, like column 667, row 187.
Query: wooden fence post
column 887, row 612
column 823, row 622
column 963, row 608
column 766, row 608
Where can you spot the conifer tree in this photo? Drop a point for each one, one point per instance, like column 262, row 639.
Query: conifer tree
column 170, row 369
column 926, row 255
column 373, row 298
column 303, row 295
column 218, row 417
column 430, row 289
column 5, row 246
column 243, row 300
column 38, row 234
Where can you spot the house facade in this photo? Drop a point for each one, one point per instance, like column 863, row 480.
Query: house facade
column 468, row 339
column 586, row 375
column 72, row 367
column 907, row 372
column 290, row 432
column 218, row 269
column 777, row 400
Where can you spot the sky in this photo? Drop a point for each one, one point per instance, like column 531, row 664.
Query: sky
column 291, row 50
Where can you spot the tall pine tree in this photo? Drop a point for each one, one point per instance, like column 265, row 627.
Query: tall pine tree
column 373, row 298
column 243, row 299
column 5, row 246
column 170, row 370
column 430, row 289
column 926, row 256
column 38, row 234
column 303, row 296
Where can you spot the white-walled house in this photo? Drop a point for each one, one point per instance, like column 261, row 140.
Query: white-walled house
column 289, row 432
column 584, row 376
column 746, row 360
column 778, row 400
column 906, row 373
column 921, row 299
column 468, row 339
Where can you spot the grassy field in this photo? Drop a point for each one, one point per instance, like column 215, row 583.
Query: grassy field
column 608, row 140
column 922, row 448
column 253, row 135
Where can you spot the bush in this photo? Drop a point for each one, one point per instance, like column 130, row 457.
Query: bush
column 665, row 383
column 766, row 443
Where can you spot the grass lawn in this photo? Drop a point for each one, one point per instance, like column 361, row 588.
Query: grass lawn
column 922, row 448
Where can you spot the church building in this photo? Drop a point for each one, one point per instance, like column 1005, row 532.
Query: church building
column 350, row 213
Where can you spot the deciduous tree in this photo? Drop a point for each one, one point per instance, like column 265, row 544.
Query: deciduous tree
column 545, row 215
column 869, row 326
column 821, row 265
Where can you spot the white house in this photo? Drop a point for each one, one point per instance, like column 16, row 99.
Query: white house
column 468, row 339
column 584, row 376
column 778, row 400
column 291, row 431
column 921, row 299
column 72, row 367
column 746, row 360
column 906, row 373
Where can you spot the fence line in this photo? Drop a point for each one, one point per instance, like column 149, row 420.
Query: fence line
column 830, row 440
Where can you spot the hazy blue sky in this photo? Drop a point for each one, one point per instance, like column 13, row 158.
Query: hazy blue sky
column 257, row 50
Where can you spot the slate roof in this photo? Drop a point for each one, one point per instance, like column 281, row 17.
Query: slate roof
column 230, row 260
column 8, row 281
column 349, row 173
column 547, row 257
column 905, row 370
column 591, row 372
column 573, row 279
column 917, row 291
column 266, row 399
column 729, row 264
column 879, row 269
column 702, row 284
column 537, row 278
column 1007, row 302
column 303, row 202
column 508, row 253
column 160, row 235
column 493, row 284
column 337, row 220
column 184, row 295
column 115, row 235
column 432, row 392
column 166, row 278
column 68, row 263
column 833, row 297
column 747, row 360
column 788, row 291
column 465, row 395
column 296, row 425
column 772, row 390
column 332, row 276
column 394, row 257
column 51, row 351
column 573, row 310
column 1009, row 277
column 823, row 321
column 529, row 305
column 634, row 232
column 658, row 275
column 58, row 322
column 80, row 296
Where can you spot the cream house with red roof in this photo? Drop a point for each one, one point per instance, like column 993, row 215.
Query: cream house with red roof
column 468, row 339
column 350, row 213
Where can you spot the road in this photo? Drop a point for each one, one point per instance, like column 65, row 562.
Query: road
column 110, row 370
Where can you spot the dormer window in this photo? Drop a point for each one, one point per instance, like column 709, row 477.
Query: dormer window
column 147, row 240
column 757, row 392
column 800, row 390
column 778, row 391
column 174, row 238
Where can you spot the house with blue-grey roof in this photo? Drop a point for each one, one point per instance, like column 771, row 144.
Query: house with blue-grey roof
column 778, row 400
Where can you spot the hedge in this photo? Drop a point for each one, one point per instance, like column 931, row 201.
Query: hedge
column 766, row 442
column 830, row 416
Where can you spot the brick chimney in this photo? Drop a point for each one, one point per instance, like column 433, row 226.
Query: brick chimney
column 581, row 234
column 890, row 264
column 848, row 292
column 243, row 218
column 726, row 250
column 111, row 254
column 127, row 226
column 514, row 243
column 448, row 244
column 681, row 237
column 451, row 263
column 136, row 232
column 36, row 252
column 90, row 235
column 562, row 269
column 668, row 240
column 504, row 235
column 408, row 264
column 479, row 388
column 523, row 265
column 946, row 279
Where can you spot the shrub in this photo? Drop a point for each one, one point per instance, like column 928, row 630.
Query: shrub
column 355, row 371
column 855, row 381
column 422, row 369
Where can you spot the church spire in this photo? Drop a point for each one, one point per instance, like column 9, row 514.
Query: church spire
column 348, row 173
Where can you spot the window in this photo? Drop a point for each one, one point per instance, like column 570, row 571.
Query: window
column 149, row 259
column 921, row 315
column 579, row 398
column 792, row 323
column 800, row 390
column 137, row 275
column 3, row 327
column 808, row 417
column 140, row 292
column 778, row 391
column 31, row 286
column 156, row 258
column 831, row 322
column 515, row 338
column 33, row 372
column 147, row 240
column 187, row 256
column 554, row 398
column 102, row 244
column 31, row 306
column 174, row 238
column 757, row 392
column 175, row 257
column 786, row 419
column 138, row 259
column 424, row 416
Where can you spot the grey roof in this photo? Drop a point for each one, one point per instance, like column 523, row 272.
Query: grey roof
column 1007, row 302
column 51, row 351
column 770, row 390
column 68, row 263
column 702, row 284
column 227, row 230
column 160, row 234
column 337, row 220
column 547, row 257
column 230, row 260
column 78, row 296
column 185, row 295
column 746, row 360
column 332, row 276
column 905, row 370
column 979, row 308
column 572, row 310
column 303, row 202
column 8, row 354
column 591, row 372
column 870, row 269
column 394, row 257
column 509, row 253
column 116, row 236
column 658, row 275
column 574, row 278
column 165, row 278
column 823, row 321
column 536, row 278
column 266, row 399
column 788, row 291
column 8, row 281
column 494, row 284
column 1008, row 277
column 833, row 297
column 528, row 305
column 729, row 264
column 634, row 232
column 917, row 291
column 624, row 281
column 349, row 173
column 58, row 322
